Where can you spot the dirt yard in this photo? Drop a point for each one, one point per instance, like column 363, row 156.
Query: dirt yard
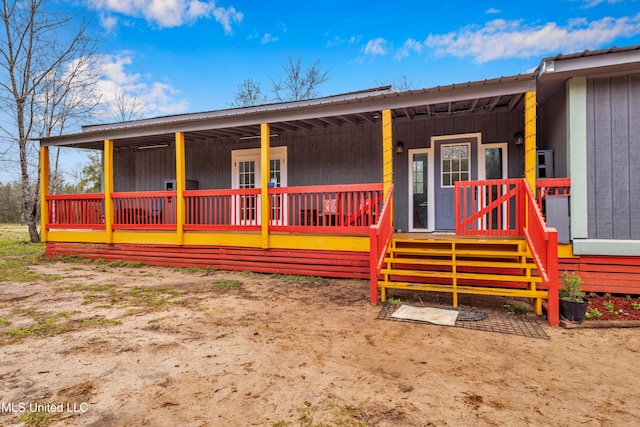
column 132, row 346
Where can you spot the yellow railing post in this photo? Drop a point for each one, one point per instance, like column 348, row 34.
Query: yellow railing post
column 530, row 106
column 264, row 183
column 387, row 155
column 181, row 181
column 44, row 192
column 108, row 189
column 387, row 151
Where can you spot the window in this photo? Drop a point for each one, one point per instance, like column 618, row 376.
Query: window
column 455, row 163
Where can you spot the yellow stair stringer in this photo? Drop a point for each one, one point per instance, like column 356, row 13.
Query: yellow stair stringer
column 460, row 265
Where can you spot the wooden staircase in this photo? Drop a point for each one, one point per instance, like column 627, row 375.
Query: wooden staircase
column 499, row 266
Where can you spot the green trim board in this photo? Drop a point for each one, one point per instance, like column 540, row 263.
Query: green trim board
column 606, row 247
column 577, row 154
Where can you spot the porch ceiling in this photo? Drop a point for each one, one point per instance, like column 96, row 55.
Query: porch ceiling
column 489, row 96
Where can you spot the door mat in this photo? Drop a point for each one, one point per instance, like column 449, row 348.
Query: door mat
column 433, row 315
column 478, row 320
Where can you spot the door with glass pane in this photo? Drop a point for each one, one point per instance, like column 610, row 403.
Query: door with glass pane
column 421, row 190
column 494, row 165
column 455, row 160
column 247, row 174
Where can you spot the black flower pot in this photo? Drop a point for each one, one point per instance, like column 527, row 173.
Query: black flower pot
column 573, row 311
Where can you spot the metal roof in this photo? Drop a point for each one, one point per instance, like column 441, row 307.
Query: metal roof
column 355, row 108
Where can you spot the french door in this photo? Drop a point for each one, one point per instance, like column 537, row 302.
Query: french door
column 247, row 173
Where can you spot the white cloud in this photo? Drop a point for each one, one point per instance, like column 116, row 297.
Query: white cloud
column 155, row 98
column 501, row 39
column 408, row 47
column 593, row 3
column 171, row 13
column 376, row 47
column 492, row 11
column 268, row 38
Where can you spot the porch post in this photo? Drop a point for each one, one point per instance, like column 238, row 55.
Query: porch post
column 108, row 189
column 530, row 139
column 387, row 151
column 44, row 192
column 181, row 181
column 264, row 182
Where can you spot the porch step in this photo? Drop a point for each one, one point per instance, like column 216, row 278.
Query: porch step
column 462, row 265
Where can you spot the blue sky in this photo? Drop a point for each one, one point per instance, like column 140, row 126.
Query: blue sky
column 190, row 55
column 179, row 56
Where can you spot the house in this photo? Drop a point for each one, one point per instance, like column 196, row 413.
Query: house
column 431, row 189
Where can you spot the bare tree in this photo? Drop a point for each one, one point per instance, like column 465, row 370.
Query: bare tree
column 299, row 83
column 42, row 72
column 125, row 107
column 401, row 84
column 248, row 93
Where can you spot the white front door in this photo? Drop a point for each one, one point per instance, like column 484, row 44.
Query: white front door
column 247, row 173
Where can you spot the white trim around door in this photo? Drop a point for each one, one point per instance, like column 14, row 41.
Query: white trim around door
column 421, row 190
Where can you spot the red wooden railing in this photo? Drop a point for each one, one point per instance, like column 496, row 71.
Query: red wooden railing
column 552, row 187
column 344, row 209
column 491, row 207
column 227, row 209
column 81, row 211
column 340, row 209
column 543, row 243
column 149, row 210
column 380, row 236
column 508, row 207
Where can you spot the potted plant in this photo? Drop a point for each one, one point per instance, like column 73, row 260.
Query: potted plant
column 573, row 304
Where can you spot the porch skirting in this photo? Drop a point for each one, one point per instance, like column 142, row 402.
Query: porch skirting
column 612, row 274
column 339, row 264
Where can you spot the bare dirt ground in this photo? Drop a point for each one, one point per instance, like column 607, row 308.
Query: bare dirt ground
column 116, row 346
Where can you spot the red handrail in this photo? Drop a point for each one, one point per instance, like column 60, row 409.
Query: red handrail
column 543, row 243
column 79, row 211
column 223, row 210
column 547, row 187
column 508, row 207
column 489, row 207
column 343, row 209
column 380, row 236
column 144, row 210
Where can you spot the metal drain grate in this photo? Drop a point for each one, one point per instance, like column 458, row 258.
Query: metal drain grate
column 481, row 321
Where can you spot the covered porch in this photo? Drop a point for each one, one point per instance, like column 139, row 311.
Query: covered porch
column 194, row 190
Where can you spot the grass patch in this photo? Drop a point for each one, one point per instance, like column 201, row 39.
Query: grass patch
column 229, row 284
column 331, row 414
column 296, row 278
column 98, row 321
column 79, row 287
column 124, row 264
column 16, row 256
column 35, row 418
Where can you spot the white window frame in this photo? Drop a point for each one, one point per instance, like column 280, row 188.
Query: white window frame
column 469, row 171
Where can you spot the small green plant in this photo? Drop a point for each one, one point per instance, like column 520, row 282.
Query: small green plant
column 607, row 296
column 127, row 264
column 35, row 418
column 593, row 312
column 571, row 291
column 518, row 309
column 609, row 306
column 280, row 423
column 635, row 305
column 231, row 284
column 394, row 301
column 628, row 297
